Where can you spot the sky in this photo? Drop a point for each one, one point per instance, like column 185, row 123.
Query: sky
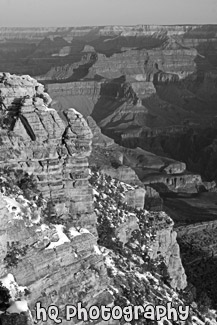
column 52, row 13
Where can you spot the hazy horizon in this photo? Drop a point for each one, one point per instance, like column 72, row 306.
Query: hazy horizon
column 106, row 25
column 77, row 13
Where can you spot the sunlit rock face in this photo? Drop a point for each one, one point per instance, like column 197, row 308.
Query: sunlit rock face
column 56, row 268
column 55, row 150
column 123, row 173
column 55, row 253
column 171, row 65
column 125, row 223
column 167, row 246
column 99, row 139
column 59, row 264
column 78, row 60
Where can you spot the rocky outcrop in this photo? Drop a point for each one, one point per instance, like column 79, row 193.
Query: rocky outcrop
column 152, row 65
column 197, row 227
column 70, row 72
column 82, row 95
column 54, row 150
column 122, row 173
column 188, row 183
column 153, row 201
column 99, row 139
column 194, row 146
column 123, row 220
column 198, row 249
column 56, row 268
column 135, row 195
column 145, row 160
column 137, row 166
column 56, row 265
column 136, row 198
column 154, row 170
column 167, row 246
column 143, row 89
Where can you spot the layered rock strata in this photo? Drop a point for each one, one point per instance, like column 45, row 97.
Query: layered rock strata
column 55, row 256
column 55, row 151
column 57, row 266
column 143, row 63
column 166, row 245
column 123, row 221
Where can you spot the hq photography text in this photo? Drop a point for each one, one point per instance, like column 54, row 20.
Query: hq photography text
column 128, row 313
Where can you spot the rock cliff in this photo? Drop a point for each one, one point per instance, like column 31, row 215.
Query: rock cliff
column 150, row 57
column 52, row 221
column 164, row 244
column 41, row 143
column 35, row 140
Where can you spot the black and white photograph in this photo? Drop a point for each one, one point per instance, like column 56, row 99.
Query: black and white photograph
column 108, row 162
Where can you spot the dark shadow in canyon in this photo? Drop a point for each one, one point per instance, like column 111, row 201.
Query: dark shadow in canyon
column 113, row 94
column 190, row 208
column 200, row 269
column 206, row 35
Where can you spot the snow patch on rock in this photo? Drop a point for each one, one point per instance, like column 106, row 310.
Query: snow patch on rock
column 62, row 238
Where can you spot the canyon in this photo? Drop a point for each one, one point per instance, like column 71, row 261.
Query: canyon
column 136, row 104
column 53, row 249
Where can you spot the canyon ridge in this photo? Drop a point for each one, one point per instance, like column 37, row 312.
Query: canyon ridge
column 108, row 152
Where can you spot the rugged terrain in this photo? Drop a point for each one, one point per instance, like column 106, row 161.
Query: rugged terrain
column 148, row 95
column 142, row 77
column 68, row 234
column 152, row 87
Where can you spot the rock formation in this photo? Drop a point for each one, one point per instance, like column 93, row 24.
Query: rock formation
column 167, row 245
column 171, row 69
column 55, row 151
column 152, row 87
column 124, row 223
column 56, row 267
column 99, row 139
column 39, row 142
column 49, row 247
column 122, row 173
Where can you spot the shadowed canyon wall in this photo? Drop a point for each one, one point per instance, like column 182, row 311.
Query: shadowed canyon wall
column 51, row 248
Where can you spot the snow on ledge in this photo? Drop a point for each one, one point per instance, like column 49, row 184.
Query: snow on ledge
column 74, row 232
column 97, row 250
column 78, row 232
column 9, row 282
column 62, row 238
column 18, row 307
